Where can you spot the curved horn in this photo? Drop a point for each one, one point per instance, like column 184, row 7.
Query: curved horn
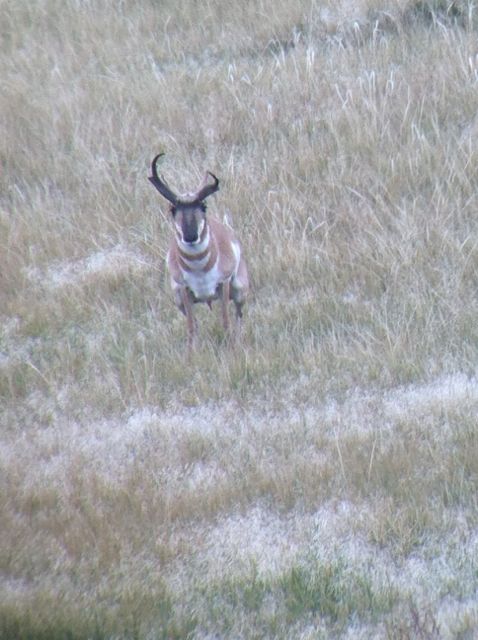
column 160, row 184
column 207, row 189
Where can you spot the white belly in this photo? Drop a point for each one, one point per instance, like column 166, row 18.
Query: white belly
column 203, row 285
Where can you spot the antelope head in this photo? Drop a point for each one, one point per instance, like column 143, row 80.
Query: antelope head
column 189, row 212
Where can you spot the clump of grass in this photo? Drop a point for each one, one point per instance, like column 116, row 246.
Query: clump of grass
column 417, row 624
column 329, row 591
column 439, row 11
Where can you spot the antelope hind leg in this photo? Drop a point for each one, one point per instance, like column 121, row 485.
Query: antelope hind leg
column 185, row 305
column 224, row 294
column 239, row 288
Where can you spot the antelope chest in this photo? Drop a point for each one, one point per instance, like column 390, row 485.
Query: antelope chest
column 203, row 284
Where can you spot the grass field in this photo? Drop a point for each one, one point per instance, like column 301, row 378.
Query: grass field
column 318, row 480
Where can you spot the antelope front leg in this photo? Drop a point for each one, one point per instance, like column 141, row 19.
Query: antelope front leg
column 225, row 292
column 188, row 312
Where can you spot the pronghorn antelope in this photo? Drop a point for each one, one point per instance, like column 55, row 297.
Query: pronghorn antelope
column 204, row 257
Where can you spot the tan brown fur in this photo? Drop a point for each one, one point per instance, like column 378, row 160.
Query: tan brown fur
column 221, row 244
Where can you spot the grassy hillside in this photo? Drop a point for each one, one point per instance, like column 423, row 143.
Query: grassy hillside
column 319, row 479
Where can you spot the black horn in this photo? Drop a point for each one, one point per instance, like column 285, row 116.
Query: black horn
column 160, row 184
column 207, row 189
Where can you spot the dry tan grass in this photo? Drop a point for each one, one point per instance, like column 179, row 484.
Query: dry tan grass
column 320, row 479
